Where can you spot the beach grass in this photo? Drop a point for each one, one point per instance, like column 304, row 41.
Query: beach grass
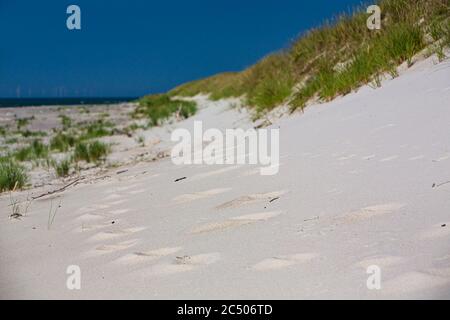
column 62, row 168
column 36, row 150
column 29, row 133
column 336, row 58
column 62, row 142
column 160, row 107
column 12, row 175
column 96, row 129
column 23, row 122
column 75, row 141
column 91, row 152
column 66, row 121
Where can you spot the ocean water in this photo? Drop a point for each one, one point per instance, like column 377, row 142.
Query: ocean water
column 27, row 102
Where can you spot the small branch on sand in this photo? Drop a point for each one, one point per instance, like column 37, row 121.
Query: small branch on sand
column 274, row 199
column 58, row 190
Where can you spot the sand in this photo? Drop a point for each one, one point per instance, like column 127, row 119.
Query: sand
column 360, row 184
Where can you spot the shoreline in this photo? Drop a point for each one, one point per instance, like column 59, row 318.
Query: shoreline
column 63, row 102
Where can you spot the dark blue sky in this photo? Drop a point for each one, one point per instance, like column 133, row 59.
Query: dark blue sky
column 136, row 47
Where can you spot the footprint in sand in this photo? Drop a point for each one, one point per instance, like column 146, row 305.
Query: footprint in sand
column 185, row 263
column 351, row 156
column 113, row 234
column 259, row 170
column 443, row 258
column 381, row 261
column 142, row 256
column 113, row 196
column 413, row 282
column 90, row 217
column 92, row 227
column 443, row 158
column 435, row 231
column 389, row 158
column 369, row 157
column 213, row 173
column 85, row 210
column 250, row 199
column 234, row 222
column 117, row 202
column 134, row 192
column 118, row 211
column 250, row 172
column 111, row 248
column 127, row 188
column 419, row 157
column 439, row 272
column 119, row 192
column 372, row 211
column 101, row 206
column 280, row 262
column 93, row 208
column 335, row 191
column 390, row 125
column 200, row 259
column 184, row 198
column 168, row 269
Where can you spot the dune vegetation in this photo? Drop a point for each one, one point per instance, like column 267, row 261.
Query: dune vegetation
column 323, row 63
column 160, row 107
column 75, row 142
column 12, row 175
column 336, row 58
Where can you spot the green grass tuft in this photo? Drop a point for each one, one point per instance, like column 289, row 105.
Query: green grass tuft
column 66, row 121
column 160, row 107
column 12, row 175
column 62, row 168
column 36, row 150
column 62, row 142
column 91, row 152
column 97, row 129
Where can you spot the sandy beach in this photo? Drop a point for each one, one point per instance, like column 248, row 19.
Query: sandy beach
column 362, row 182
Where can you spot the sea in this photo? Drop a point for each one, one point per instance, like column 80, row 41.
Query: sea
column 36, row 102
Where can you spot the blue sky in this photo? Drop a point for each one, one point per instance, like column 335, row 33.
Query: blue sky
column 136, row 47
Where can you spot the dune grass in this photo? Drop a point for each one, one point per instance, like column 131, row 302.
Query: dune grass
column 12, row 175
column 96, row 129
column 62, row 168
column 62, row 142
column 29, row 133
column 336, row 58
column 23, row 122
column 66, row 121
column 160, row 107
column 36, row 150
column 77, row 141
column 91, row 152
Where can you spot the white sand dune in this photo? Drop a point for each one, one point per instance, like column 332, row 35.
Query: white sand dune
column 355, row 189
